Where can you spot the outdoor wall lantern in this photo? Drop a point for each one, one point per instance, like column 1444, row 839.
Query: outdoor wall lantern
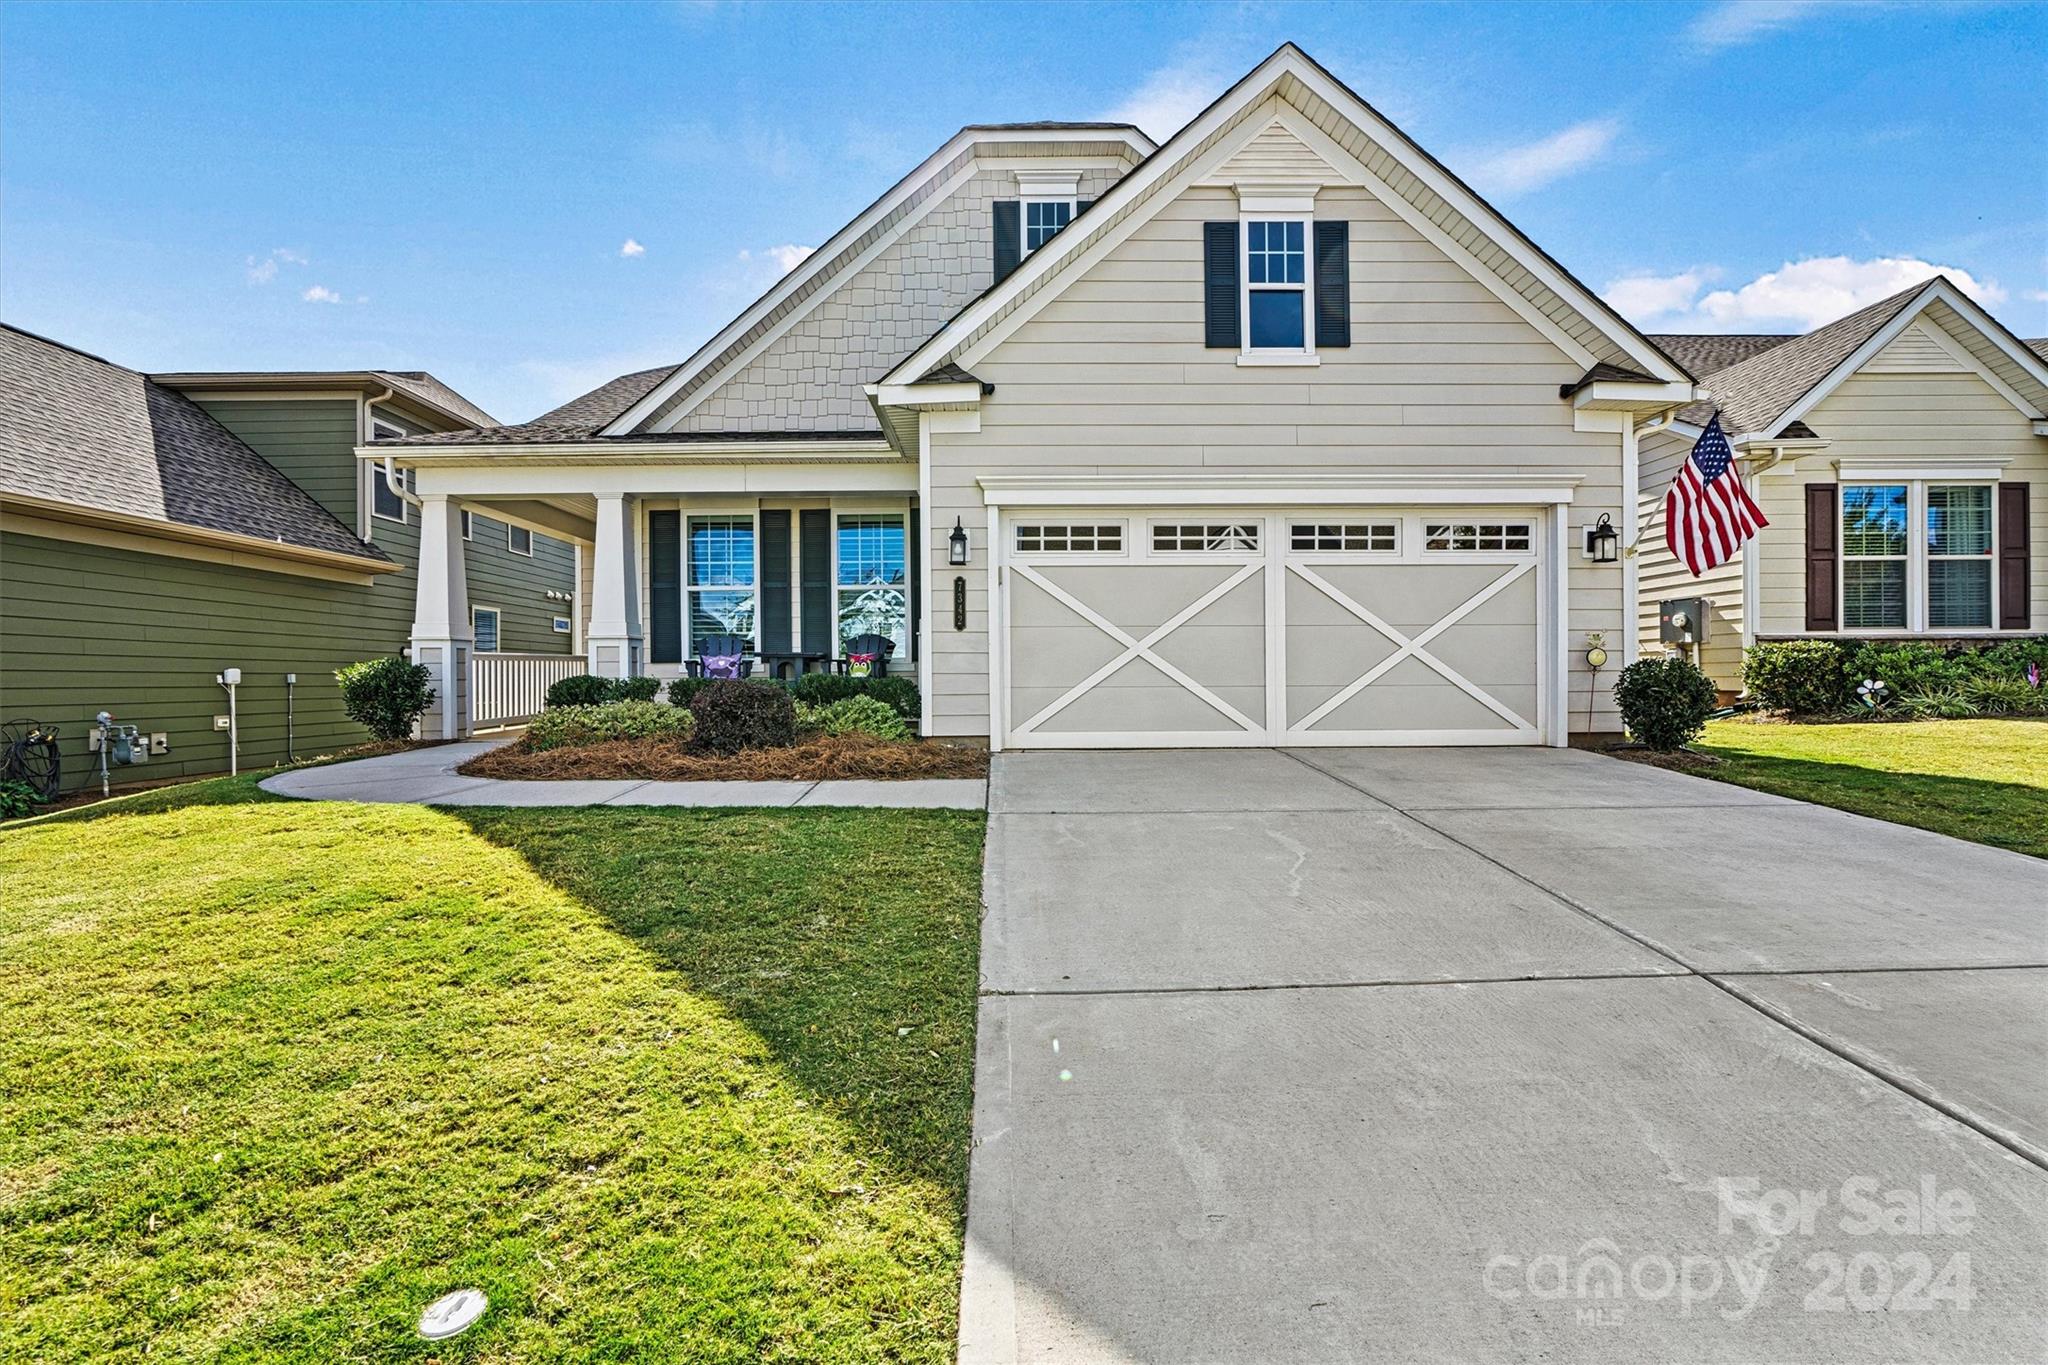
column 957, row 544
column 1603, row 542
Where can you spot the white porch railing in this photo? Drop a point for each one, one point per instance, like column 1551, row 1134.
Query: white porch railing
column 505, row 689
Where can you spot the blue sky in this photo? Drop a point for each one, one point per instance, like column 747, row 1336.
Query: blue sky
column 530, row 199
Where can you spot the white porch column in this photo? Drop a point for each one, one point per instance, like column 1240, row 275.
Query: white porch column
column 441, row 635
column 615, row 590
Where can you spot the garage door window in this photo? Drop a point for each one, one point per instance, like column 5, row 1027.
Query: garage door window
column 1383, row 536
column 1475, row 535
column 1186, row 537
column 1068, row 539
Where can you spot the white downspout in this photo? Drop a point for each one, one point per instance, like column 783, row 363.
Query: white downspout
column 391, row 479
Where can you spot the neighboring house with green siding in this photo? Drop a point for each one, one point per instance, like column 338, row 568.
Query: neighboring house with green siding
column 155, row 530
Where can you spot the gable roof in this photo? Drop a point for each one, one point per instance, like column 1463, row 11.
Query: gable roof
column 1759, row 395
column 83, row 433
column 876, row 225
column 1352, row 128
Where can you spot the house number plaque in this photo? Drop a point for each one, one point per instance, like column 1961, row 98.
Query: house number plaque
column 959, row 603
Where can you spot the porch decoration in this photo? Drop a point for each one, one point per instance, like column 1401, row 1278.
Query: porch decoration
column 1603, row 542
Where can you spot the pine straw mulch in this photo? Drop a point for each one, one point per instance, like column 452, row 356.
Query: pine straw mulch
column 815, row 759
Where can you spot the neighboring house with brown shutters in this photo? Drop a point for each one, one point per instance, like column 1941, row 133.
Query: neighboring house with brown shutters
column 1273, row 433
column 1901, row 455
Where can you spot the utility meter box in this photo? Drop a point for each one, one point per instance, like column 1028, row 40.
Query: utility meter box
column 1683, row 620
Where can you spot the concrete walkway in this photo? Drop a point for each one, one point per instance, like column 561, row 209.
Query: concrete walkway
column 428, row 777
column 1491, row 1056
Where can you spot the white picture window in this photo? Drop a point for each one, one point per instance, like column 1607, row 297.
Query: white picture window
column 483, row 623
column 720, row 578
column 1442, row 536
column 1213, row 537
column 1070, row 538
column 1043, row 219
column 1381, row 536
column 873, row 576
column 1276, row 284
column 519, row 540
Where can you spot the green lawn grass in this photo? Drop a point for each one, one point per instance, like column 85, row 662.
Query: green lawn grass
column 1983, row 780
column 666, row 1085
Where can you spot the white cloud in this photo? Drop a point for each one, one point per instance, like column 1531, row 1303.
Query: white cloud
column 1171, row 96
column 1735, row 22
column 2036, row 296
column 263, row 269
column 784, row 258
column 1639, row 297
column 320, row 293
column 1798, row 296
column 1532, row 165
column 631, row 249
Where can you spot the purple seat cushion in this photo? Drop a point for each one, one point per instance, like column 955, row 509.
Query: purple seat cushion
column 720, row 665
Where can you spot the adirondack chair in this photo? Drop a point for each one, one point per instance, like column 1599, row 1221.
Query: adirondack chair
column 865, row 656
column 722, row 656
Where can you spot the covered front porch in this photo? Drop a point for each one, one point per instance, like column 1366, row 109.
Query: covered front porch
column 781, row 558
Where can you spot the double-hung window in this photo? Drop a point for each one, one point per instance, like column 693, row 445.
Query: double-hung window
column 1917, row 555
column 872, row 579
column 484, row 626
column 720, row 578
column 1276, row 284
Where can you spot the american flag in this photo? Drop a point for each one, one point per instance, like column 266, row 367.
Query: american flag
column 1708, row 513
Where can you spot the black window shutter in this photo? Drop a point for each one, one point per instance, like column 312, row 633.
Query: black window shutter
column 916, row 563
column 2015, row 610
column 665, row 587
column 1009, row 236
column 815, row 556
column 1823, row 526
column 775, row 619
column 1219, row 286
column 1333, row 283
column 1081, row 206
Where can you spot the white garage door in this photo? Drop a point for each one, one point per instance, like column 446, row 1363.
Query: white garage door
column 1143, row 628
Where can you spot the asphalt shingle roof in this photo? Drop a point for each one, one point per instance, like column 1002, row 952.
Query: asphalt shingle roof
column 1704, row 354
column 552, row 433
column 2039, row 346
column 80, row 430
column 1753, row 393
column 423, row 385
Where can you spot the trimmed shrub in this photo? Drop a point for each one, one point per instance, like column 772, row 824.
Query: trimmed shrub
column 386, row 696
column 732, row 716
column 18, row 800
column 869, row 716
column 635, row 689
column 680, row 690
column 582, row 689
column 822, row 689
column 1804, row 677
column 1664, row 702
column 1907, row 669
column 561, row 727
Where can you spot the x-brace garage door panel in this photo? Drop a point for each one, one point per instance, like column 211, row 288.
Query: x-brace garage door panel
column 1373, row 626
column 1163, row 649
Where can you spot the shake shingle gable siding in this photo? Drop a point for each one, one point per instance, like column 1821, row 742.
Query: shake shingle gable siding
column 82, row 431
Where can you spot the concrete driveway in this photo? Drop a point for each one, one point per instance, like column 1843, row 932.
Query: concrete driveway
column 1496, row 1055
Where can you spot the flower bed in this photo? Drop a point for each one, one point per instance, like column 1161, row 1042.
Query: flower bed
column 813, row 758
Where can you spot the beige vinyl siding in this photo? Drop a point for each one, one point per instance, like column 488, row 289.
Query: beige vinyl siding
column 1112, row 377
column 88, row 627
column 1931, row 417
column 1661, row 574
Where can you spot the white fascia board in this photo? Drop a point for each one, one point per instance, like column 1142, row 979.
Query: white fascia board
column 1255, row 88
column 838, row 242
column 1263, row 490
column 1615, row 394
column 895, row 475
column 633, row 453
column 927, row 395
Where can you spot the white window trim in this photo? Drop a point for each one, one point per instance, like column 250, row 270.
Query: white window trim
column 839, row 511
column 476, row 611
column 1259, row 526
column 1024, row 247
column 1247, row 355
column 468, row 525
column 1124, row 548
column 563, row 625
column 1916, row 557
column 528, row 551
column 750, row 515
column 379, row 430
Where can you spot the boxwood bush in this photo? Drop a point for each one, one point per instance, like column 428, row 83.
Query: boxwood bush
column 732, row 716
column 1664, row 702
column 386, row 696
column 822, row 689
column 561, row 727
column 869, row 716
column 587, row 689
column 1804, row 677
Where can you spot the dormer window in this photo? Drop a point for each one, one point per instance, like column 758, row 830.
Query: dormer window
column 1043, row 218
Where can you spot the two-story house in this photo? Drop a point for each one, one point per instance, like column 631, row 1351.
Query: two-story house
column 1275, row 433
column 156, row 530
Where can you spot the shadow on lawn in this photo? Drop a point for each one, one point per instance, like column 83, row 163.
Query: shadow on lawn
column 2009, row 815
column 847, row 940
